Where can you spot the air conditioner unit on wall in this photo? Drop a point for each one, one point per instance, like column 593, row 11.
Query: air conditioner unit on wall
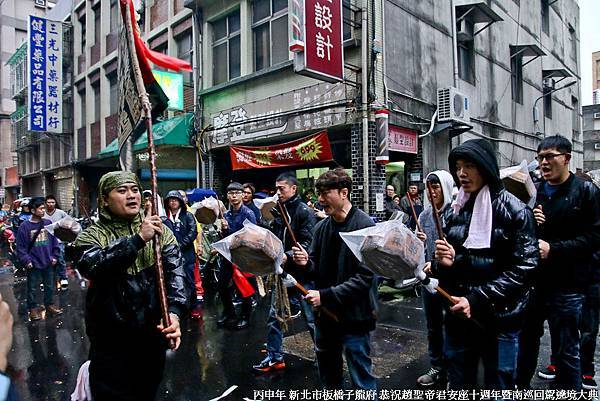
column 596, row 115
column 453, row 106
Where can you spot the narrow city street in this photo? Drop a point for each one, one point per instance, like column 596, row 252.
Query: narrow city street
column 47, row 354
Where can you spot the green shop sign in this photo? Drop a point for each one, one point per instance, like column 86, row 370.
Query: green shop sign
column 172, row 84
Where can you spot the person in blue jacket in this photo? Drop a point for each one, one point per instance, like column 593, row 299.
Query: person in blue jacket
column 233, row 221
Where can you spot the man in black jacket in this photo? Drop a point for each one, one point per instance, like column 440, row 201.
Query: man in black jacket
column 343, row 285
column 302, row 221
column 247, row 199
column 568, row 217
column 390, row 205
column 183, row 225
column 122, row 312
column 489, row 250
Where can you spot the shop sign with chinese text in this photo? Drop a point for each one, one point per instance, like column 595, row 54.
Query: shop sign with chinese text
column 314, row 107
column 403, row 139
column 323, row 56
column 45, row 39
column 312, row 149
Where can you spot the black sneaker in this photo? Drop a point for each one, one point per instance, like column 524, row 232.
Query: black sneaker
column 432, row 377
column 548, row 373
column 588, row 382
column 227, row 320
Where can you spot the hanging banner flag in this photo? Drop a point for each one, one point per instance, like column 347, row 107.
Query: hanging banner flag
column 312, row 149
column 45, row 51
column 323, row 56
column 130, row 106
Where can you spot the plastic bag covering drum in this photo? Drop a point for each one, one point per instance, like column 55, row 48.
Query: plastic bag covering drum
column 388, row 249
column 265, row 205
column 253, row 249
column 66, row 229
column 207, row 210
column 518, row 182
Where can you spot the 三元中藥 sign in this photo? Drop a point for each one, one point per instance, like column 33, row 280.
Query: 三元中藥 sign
column 45, row 39
column 323, row 55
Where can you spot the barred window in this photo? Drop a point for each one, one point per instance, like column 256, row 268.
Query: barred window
column 226, row 48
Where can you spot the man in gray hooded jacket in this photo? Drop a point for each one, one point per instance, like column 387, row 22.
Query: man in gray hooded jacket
column 441, row 185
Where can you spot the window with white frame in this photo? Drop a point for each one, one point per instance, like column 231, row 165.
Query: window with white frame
column 113, row 85
column 83, row 34
column 516, row 75
column 348, row 18
column 269, row 32
column 97, row 101
column 226, row 48
column 466, row 50
column 97, row 25
column 185, row 52
column 114, row 17
column 545, row 16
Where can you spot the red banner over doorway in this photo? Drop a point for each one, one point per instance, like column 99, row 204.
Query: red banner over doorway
column 308, row 150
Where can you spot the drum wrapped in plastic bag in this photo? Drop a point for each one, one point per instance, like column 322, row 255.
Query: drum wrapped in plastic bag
column 253, row 249
column 207, row 210
column 518, row 182
column 66, row 229
column 388, row 249
column 265, row 205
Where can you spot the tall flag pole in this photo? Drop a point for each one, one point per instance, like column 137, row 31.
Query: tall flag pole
column 137, row 66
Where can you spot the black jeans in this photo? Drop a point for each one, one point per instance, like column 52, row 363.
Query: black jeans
column 590, row 317
column 225, row 287
column 433, row 304
column 34, row 278
column 563, row 312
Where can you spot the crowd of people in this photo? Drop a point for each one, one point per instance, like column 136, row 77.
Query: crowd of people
column 508, row 268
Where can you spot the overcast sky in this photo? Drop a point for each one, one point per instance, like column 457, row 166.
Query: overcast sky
column 590, row 42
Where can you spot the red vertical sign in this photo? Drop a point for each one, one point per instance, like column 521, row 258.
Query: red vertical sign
column 324, row 49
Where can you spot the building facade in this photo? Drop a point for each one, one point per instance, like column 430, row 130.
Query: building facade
column 591, row 137
column 515, row 64
column 166, row 26
column 510, row 59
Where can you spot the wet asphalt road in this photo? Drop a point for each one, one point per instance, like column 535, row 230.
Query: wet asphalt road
column 47, row 354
